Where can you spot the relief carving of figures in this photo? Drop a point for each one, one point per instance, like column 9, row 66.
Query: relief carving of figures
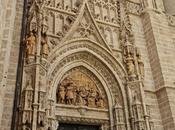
column 70, row 93
column 100, row 101
column 66, row 92
column 81, row 92
column 61, row 94
column 91, row 97
column 82, row 96
column 30, row 45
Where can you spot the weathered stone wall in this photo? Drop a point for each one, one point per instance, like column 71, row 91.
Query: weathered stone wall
column 161, row 52
column 10, row 30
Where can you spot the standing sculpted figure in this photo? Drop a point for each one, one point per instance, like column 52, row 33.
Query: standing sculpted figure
column 130, row 65
column 100, row 101
column 140, row 64
column 81, row 96
column 30, row 45
column 70, row 93
column 45, row 46
column 61, row 94
column 91, row 97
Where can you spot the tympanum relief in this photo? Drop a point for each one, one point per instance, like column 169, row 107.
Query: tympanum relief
column 78, row 89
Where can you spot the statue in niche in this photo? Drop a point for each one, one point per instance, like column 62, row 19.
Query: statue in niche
column 140, row 64
column 61, row 94
column 29, row 83
column 44, row 43
column 29, row 100
column 45, row 46
column 29, row 93
column 135, row 96
column 30, row 45
column 130, row 65
column 42, row 101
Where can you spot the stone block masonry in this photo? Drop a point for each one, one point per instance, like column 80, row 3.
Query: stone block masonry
column 11, row 12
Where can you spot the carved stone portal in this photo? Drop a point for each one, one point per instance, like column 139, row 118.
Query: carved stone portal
column 79, row 89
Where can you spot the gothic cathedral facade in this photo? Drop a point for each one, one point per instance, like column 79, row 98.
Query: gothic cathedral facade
column 87, row 64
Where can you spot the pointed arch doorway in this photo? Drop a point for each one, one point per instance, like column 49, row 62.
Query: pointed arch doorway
column 97, row 68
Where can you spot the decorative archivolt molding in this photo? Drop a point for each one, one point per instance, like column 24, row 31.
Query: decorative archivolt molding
column 97, row 65
column 85, row 45
column 86, row 65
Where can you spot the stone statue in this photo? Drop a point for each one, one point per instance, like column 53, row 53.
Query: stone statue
column 100, row 101
column 61, row 94
column 29, row 100
column 29, row 93
column 70, row 93
column 130, row 65
column 30, row 45
column 45, row 46
column 135, row 96
column 91, row 97
column 29, row 83
column 82, row 96
column 140, row 65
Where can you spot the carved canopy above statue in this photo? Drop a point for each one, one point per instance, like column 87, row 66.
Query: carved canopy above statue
column 77, row 88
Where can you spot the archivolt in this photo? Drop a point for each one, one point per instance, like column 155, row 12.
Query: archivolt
column 92, row 47
column 97, row 60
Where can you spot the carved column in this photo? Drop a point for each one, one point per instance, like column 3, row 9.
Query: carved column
column 52, row 124
column 119, row 117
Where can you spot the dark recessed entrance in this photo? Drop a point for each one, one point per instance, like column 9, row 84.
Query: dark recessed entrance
column 77, row 127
